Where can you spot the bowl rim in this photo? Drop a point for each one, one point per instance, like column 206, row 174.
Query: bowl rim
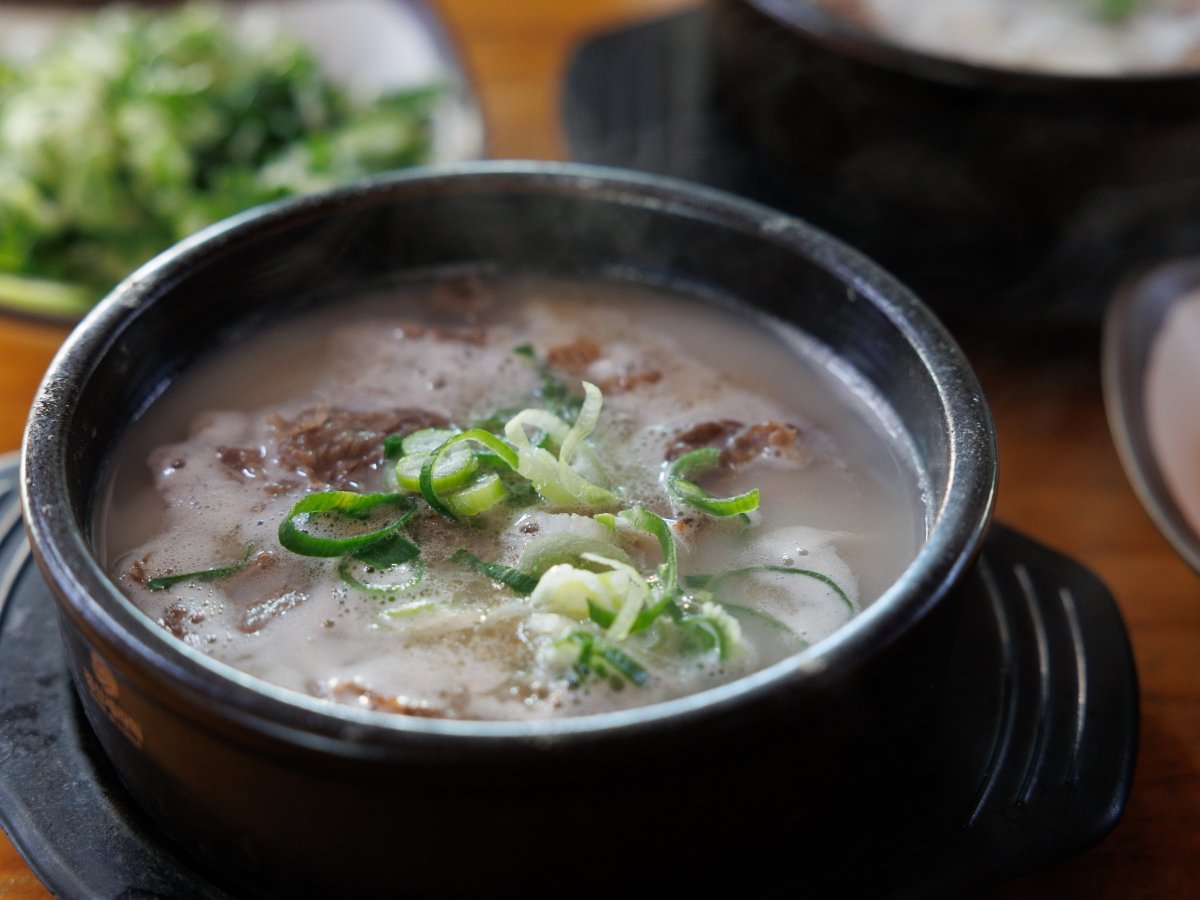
column 1130, row 332
column 867, row 46
column 956, row 532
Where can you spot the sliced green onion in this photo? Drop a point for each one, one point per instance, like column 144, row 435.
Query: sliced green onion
column 1116, row 10
column 693, row 495
column 585, row 423
column 393, row 447
column 521, row 582
column 383, row 557
column 644, row 520
column 477, row 497
column 356, row 516
column 626, row 665
column 650, row 614
column 428, row 483
column 554, row 477
column 409, row 609
column 750, row 613
column 426, row 450
column 591, row 645
column 386, row 553
column 712, row 629
column 625, row 583
column 165, row 581
column 709, row 582
column 598, row 614
column 702, row 634
column 552, row 549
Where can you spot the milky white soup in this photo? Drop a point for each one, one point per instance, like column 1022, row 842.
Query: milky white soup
column 1086, row 37
column 651, row 497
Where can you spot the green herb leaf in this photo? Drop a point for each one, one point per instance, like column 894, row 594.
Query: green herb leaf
column 693, row 495
column 383, row 557
column 165, row 581
column 352, row 520
column 710, row 582
column 521, row 582
column 591, row 647
column 1116, row 10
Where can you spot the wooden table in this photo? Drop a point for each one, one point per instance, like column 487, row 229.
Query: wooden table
column 1061, row 482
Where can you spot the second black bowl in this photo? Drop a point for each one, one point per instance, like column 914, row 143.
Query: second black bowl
column 997, row 194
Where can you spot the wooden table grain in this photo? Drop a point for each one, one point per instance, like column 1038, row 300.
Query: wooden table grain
column 1060, row 482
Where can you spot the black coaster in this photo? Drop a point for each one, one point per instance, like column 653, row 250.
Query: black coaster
column 1028, row 758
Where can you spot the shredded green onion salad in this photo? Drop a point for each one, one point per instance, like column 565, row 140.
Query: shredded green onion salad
column 616, row 611
column 1115, row 10
column 139, row 126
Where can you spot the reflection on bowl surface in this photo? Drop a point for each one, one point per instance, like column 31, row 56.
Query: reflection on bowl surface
column 279, row 766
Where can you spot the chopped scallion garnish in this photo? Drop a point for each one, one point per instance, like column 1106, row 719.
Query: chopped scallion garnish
column 521, row 582
column 352, row 521
column 712, row 629
column 383, row 557
column 554, row 477
column 710, row 582
column 165, row 581
column 593, row 652
column 431, row 486
column 693, row 495
column 657, row 527
column 552, row 549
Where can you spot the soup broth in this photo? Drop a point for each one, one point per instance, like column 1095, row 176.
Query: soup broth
column 512, row 500
column 1090, row 37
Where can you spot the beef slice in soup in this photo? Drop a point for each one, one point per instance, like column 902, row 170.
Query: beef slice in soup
column 575, row 500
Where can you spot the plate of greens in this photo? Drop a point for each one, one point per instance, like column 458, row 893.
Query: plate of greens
column 125, row 129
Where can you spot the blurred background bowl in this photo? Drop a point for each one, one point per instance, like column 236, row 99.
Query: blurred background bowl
column 999, row 195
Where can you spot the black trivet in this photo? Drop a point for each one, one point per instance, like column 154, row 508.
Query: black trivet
column 1028, row 758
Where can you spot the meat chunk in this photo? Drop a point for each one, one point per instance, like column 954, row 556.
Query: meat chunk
column 466, row 298
column 242, row 463
column 136, row 573
column 706, row 434
column 574, row 357
column 624, row 382
column 464, row 334
column 741, row 444
column 770, row 439
column 343, row 448
column 355, row 693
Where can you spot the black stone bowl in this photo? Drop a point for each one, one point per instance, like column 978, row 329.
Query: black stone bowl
column 999, row 195
column 284, row 793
